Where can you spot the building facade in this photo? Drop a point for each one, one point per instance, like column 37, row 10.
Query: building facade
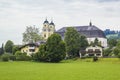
column 91, row 51
column 30, row 48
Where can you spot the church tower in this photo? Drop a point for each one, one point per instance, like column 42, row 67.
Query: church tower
column 48, row 29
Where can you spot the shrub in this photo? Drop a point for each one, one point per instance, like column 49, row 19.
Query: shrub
column 22, row 56
column 17, row 53
column 12, row 57
column 118, row 55
column 5, row 57
column 95, row 58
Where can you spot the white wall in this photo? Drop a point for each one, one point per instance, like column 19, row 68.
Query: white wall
column 102, row 40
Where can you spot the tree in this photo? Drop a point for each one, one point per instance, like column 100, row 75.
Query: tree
column 83, row 42
column 74, row 42
column 31, row 35
column 107, row 52
column 2, row 50
column 9, row 46
column 55, row 48
column 52, row 51
column 42, row 54
column 15, row 48
column 112, row 42
column 116, row 51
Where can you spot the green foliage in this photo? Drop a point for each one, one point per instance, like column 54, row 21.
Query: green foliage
column 17, row 53
column 9, row 46
column 118, row 55
column 74, row 41
column 2, row 50
column 12, row 57
column 83, row 42
column 15, row 48
column 31, row 35
column 55, row 48
column 42, row 54
column 95, row 43
column 22, row 56
column 52, row 51
column 95, row 58
column 112, row 42
column 116, row 51
column 107, row 52
column 7, row 57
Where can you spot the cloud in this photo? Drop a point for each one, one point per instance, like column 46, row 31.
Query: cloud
column 15, row 15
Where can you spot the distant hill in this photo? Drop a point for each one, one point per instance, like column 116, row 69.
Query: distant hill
column 112, row 34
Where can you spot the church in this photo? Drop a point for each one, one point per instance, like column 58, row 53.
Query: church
column 90, row 31
column 48, row 29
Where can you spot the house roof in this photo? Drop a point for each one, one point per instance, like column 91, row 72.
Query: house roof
column 30, row 44
column 88, row 31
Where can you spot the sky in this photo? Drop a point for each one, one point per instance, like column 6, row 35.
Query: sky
column 15, row 15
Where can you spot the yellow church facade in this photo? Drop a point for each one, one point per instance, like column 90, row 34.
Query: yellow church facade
column 48, row 29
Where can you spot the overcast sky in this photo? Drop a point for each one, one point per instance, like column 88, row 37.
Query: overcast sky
column 15, row 15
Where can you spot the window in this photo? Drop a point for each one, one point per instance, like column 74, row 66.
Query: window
column 31, row 50
column 90, row 50
column 97, row 51
column 44, row 35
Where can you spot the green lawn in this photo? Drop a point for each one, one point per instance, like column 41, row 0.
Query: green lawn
column 105, row 69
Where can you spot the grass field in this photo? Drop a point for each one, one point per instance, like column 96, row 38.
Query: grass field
column 105, row 69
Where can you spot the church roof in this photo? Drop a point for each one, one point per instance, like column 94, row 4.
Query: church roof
column 46, row 21
column 52, row 23
column 89, row 31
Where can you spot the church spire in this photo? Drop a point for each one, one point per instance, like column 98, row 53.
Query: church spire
column 90, row 24
column 46, row 21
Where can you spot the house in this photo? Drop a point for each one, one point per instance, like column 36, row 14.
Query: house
column 29, row 48
column 92, row 51
column 91, row 32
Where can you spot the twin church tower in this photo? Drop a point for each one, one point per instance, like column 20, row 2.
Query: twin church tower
column 48, row 29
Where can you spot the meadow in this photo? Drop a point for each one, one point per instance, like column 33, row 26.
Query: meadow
column 104, row 69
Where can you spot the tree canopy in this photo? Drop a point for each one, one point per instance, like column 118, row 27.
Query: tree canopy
column 31, row 35
column 74, row 42
column 9, row 46
column 2, row 50
column 52, row 51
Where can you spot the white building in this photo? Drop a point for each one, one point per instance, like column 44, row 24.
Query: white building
column 91, row 32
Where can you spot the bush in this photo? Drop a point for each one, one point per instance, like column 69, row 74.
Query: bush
column 12, row 57
column 17, row 53
column 95, row 58
column 22, row 56
column 118, row 55
column 5, row 57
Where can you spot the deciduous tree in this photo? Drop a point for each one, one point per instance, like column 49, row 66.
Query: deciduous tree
column 31, row 35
